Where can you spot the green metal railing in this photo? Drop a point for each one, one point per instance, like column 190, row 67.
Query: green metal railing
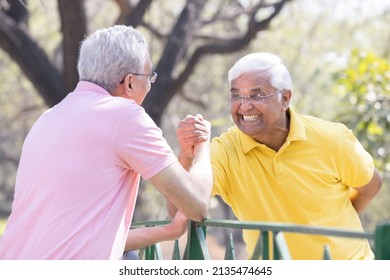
column 196, row 247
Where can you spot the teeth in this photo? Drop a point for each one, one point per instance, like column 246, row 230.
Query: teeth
column 251, row 118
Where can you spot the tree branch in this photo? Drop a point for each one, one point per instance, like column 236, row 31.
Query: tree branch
column 230, row 45
column 32, row 60
column 17, row 10
column 135, row 15
column 74, row 28
column 125, row 9
column 175, row 50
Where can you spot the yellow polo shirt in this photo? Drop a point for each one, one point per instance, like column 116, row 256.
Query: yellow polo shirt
column 305, row 182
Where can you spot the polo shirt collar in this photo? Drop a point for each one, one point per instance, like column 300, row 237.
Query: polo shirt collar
column 297, row 133
column 88, row 86
column 297, row 127
column 247, row 142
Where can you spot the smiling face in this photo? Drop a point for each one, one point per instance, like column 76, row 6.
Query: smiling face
column 265, row 121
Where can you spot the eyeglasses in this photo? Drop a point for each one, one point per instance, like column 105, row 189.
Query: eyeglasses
column 253, row 98
column 152, row 77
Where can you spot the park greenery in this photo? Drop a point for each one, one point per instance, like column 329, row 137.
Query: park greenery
column 338, row 53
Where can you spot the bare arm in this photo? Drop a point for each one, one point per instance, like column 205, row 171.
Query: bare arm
column 187, row 184
column 191, row 131
column 362, row 196
column 143, row 237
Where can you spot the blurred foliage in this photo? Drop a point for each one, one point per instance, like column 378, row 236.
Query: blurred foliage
column 19, row 108
column 364, row 89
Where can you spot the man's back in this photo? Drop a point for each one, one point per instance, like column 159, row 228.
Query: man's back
column 73, row 183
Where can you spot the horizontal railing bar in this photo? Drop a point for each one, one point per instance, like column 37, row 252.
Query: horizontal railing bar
column 285, row 228
column 149, row 223
column 274, row 227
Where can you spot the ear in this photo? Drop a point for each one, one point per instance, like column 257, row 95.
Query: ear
column 286, row 97
column 128, row 84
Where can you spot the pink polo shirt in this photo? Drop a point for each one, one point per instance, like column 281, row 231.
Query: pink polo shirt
column 78, row 177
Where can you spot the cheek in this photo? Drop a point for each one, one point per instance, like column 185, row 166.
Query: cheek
column 233, row 109
column 146, row 89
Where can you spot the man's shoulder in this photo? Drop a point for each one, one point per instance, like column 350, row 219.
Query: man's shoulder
column 323, row 125
column 229, row 136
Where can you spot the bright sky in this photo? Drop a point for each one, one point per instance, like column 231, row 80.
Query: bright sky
column 362, row 7
column 348, row 8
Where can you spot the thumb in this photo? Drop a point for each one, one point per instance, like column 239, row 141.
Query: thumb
column 199, row 116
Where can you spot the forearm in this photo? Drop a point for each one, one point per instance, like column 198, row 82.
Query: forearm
column 362, row 196
column 187, row 184
column 360, row 201
column 185, row 161
column 201, row 170
column 200, row 178
column 171, row 209
column 197, row 172
column 143, row 237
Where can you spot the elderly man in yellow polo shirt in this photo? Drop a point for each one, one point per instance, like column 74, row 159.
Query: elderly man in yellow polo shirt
column 276, row 165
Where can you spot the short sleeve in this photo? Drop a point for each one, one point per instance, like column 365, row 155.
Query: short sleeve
column 356, row 165
column 139, row 144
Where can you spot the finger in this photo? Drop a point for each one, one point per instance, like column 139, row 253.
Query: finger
column 188, row 134
column 190, row 118
column 194, row 128
column 198, row 118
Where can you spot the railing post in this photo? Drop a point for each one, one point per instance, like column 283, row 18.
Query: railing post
column 382, row 241
column 229, row 253
column 275, row 251
column 262, row 247
column 281, row 246
column 157, row 252
column 176, row 251
column 258, row 248
column 327, row 255
column 265, row 239
column 149, row 253
column 196, row 248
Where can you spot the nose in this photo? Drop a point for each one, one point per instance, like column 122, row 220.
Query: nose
column 247, row 98
column 245, row 103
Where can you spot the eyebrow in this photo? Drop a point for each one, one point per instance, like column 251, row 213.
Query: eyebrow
column 254, row 90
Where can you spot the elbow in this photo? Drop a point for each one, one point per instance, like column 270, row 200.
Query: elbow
column 200, row 214
column 199, row 218
column 378, row 182
column 201, row 205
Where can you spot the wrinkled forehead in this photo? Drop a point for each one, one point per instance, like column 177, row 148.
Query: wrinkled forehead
column 248, row 90
column 252, row 80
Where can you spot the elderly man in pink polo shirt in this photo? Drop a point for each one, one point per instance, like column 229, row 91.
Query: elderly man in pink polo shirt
column 81, row 163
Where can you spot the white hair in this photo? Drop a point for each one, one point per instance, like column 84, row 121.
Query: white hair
column 262, row 61
column 109, row 54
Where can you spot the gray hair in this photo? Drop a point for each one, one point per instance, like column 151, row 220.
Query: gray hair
column 108, row 55
column 261, row 61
